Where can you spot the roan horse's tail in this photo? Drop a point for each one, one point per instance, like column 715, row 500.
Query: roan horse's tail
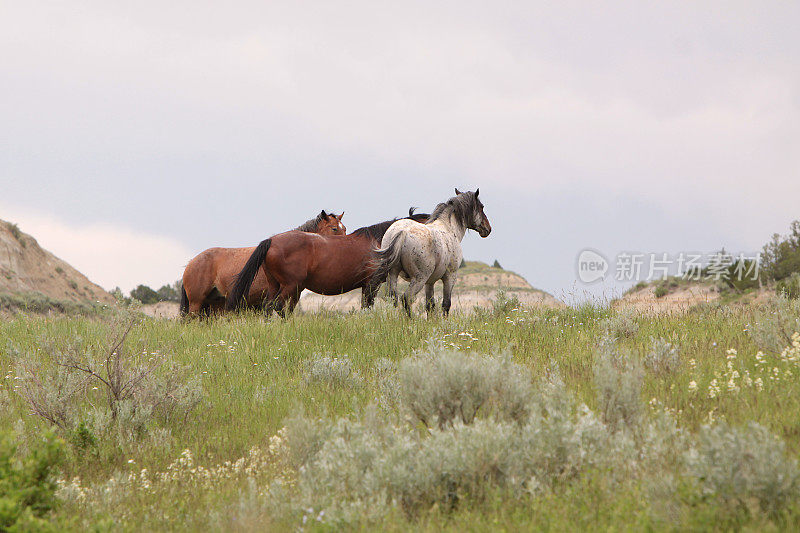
column 387, row 257
column 184, row 301
column 245, row 278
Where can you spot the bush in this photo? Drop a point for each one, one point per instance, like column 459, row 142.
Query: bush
column 775, row 323
column 333, row 371
column 781, row 256
column 661, row 291
column 17, row 233
column 621, row 324
column 364, row 467
column 27, row 484
column 144, row 294
column 618, row 382
column 789, row 287
column 663, row 357
column 137, row 389
column 36, row 302
column 503, row 305
column 444, row 387
column 170, row 293
column 738, row 465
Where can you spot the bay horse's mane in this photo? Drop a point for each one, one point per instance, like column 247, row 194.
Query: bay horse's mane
column 377, row 231
column 311, row 225
column 462, row 206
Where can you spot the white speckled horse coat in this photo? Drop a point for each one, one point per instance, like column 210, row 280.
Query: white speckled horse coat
column 426, row 253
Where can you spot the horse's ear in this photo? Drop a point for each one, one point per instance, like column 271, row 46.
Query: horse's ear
column 457, row 191
column 477, row 192
column 340, row 216
column 323, row 215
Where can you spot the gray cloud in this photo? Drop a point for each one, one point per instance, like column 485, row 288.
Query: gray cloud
column 217, row 126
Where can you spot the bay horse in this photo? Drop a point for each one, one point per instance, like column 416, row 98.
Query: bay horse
column 426, row 253
column 208, row 277
column 327, row 265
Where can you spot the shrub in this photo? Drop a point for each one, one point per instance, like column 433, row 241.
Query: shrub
column 662, row 358
column 355, row 470
column 27, row 484
column 789, row 287
column 17, row 233
column 36, row 302
column 137, row 388
column 333, row 371
column 503, row 305
column 144, row 294
column 170, row 293
column 661, row 291
column 737, row 465
column 775, row 323
column 781, row 256
column 621, row 324
column 442, row 387
column 618, row 383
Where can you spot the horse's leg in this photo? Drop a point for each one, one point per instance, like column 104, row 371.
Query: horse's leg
column 287, row 299
column 448, row 280
column 368, row 293
column 430, row 303
column 270, row 296
column 414, row 287
column 392, row 282
column 195, row 308
column 292, row 302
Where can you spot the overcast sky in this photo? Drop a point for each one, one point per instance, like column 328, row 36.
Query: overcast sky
column 135, row 135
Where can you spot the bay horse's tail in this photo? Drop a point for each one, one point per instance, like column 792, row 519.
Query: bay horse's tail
column 387, row 257
column 245, row 278
column 184, row 301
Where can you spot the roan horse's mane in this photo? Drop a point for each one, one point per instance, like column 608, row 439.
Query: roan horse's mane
column 462, row 207
column 311, row 225
column 377, row 231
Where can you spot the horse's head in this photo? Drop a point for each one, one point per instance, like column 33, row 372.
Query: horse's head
column 330, row 224
column 475, row 217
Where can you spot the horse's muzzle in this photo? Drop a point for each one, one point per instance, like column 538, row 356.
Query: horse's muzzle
column 484, row 230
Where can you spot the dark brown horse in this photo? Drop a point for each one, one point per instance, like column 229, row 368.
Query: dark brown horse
column 208, row 277
column 294, row 261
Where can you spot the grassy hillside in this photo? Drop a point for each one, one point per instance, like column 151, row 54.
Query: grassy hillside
column 584, row 418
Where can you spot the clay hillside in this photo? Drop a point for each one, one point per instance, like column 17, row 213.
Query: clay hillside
column 28, row 270
column 680, row 295
column 477, row 286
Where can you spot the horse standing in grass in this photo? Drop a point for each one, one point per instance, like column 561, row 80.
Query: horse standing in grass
column 426, row 253
column 328, row 265
column 208, row 277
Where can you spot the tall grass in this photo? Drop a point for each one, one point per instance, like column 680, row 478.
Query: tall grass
column 517, row 418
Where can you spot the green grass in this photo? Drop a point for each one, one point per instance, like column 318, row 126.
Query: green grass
column 254, row 375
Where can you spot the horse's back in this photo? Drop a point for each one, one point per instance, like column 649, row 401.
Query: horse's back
column 215, row 266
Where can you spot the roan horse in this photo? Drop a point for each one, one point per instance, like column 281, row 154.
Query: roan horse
column 425, row 253
column 294, row 261
column 208, row 277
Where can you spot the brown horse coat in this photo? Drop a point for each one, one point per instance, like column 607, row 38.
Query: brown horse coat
column 293, row 261
column 208, row 278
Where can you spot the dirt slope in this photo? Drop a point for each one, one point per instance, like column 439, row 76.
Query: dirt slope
column 685, row 296
column 26, row 267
